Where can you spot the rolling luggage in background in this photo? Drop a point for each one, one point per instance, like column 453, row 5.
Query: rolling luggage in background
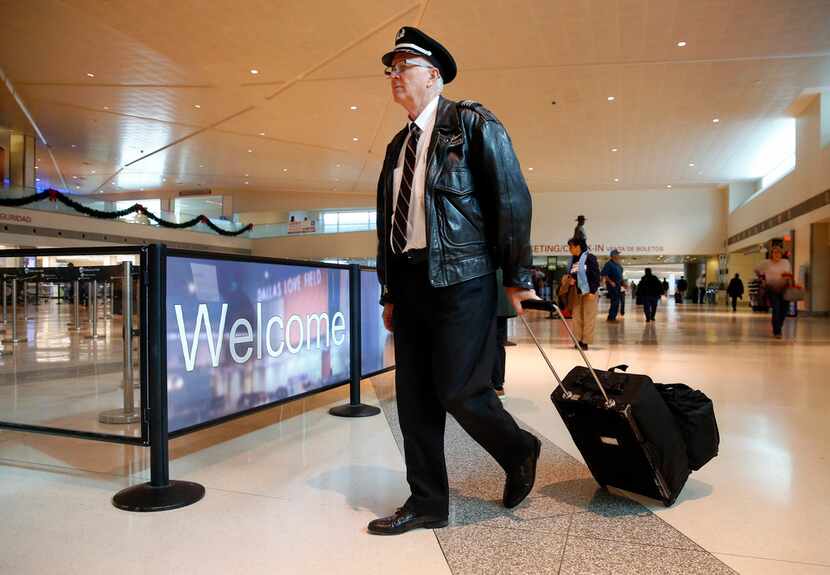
column 620, row 424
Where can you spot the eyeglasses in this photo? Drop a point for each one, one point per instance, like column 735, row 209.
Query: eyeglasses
column 399, row 68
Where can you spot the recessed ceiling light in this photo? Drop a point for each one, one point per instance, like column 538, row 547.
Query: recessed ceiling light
column 668, row 186
column 246, row 175
column 90, row 75
column 530, row 169
column 201, row 165
column 262, row 133
column 611, row 98
column 691, row 164
column 285, row 169
column 681, row 44
column 74, row 177
column 337, row 166
column 36, row 168
column 353, row 108
column 106, row 107
column 615, row 149
column 246, row 182
column 164, row 179
column 250, row 151
column 77, row 187
column 616, row 179
column 354, row 139
column 715, row 120
column 92, row 171
column 197, row 106
column 254, row 71
column 74, row 146
column 37, row 179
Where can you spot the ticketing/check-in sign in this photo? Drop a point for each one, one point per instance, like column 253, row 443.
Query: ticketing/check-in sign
column 244, row 334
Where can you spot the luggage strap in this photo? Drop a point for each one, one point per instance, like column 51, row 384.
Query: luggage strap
column 545, row 305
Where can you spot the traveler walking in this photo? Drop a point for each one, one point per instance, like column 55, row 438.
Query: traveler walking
column 612, row 275
column 680, row 289
column 579, row 230
column 584, row 276
column 504, row 311
column 650, row 291
column 701, row 288
column 439, row 291
column 735, row 290
column 776, row 275
column 665, row 285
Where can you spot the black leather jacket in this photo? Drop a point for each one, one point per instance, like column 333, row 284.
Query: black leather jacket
column 477, row 203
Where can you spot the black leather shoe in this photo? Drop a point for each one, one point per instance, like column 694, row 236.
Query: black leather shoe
column 404, row 520
column 520, row 481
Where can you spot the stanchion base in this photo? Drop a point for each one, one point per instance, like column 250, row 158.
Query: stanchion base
column 119, row 416
column 359, row 410
column 145, row 497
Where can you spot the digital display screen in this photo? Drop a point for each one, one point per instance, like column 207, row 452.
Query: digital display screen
column 245, row 334
column 377, row 347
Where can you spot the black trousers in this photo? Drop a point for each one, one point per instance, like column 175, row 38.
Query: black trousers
column 734, row 299
column 779, row 310
column 445, row 344
column 650, row 306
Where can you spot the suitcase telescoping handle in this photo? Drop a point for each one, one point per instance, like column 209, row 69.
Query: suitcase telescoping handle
column 544, row 305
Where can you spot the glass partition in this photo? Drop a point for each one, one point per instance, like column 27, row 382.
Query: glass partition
column 71, row 358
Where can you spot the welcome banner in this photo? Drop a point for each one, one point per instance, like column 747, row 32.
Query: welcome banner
column 245, row 334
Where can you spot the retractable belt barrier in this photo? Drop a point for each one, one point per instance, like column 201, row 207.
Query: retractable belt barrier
column 260, row 319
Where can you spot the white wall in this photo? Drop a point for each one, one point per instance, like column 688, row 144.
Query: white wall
column 263, row 208
column 319, row 246
column 673, row 222
column 811, row 176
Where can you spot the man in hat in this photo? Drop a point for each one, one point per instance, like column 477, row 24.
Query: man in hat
column 612, row 274
column 453, row 207
column 579, row 230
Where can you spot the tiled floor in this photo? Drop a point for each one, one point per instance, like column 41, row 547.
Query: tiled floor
column 290, row 489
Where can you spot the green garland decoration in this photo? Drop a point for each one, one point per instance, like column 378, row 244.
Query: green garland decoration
column 55, row 196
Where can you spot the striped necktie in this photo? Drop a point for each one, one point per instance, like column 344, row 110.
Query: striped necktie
column 399, row 222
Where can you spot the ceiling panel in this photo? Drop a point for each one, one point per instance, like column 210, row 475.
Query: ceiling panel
column 173, row 96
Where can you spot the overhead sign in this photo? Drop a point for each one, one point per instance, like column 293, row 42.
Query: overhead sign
column 625, row 249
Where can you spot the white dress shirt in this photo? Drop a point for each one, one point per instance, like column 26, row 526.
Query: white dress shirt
column 416, row 235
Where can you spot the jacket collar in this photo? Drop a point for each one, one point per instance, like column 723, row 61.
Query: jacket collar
column 446, row 117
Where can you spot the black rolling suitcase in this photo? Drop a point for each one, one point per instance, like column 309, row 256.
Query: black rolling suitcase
column 621, row 426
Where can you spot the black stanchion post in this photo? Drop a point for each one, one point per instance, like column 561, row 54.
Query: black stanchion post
column 354, row 408
column 160, row 494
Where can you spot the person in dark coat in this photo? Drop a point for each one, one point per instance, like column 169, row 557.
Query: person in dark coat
column 735, row 290
column 504, row 311
column 665, row 284
column 680, row 289
column 579, row 230
column 650, row 291
column 437, row 255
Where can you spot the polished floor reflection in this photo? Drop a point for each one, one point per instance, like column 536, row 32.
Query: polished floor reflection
column 291, row 489
column 63, row 378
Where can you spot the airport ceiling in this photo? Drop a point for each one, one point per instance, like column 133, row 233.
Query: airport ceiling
column 289, row 96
